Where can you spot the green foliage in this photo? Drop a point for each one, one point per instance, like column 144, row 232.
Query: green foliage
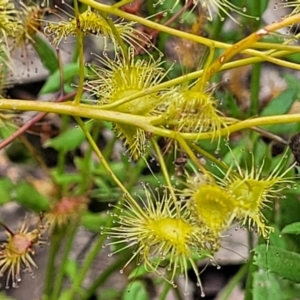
column 293, row 228
column 281, row 262
column 28, row 196
column 136, row 290
column 70, row 71
column 46, row 53
column 266, row 287
column 68, row 140
column 6, row 187
column 281, row 105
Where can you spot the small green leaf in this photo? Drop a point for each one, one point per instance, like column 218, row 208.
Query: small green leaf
column 281, row 105
column 53, row 82
column 93, row 222
column 29, row 197
column 46, row 53
column 5, row 190
column 281, row 262
column 69, row 139
column 6, row 130
column 138, row 272
column 252, row 7
column 266, row 287
column 293, row 228
column 135, row 290
column 295, row 58
column 276, row 239
column 66, row 178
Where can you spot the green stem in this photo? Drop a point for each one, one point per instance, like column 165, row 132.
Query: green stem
column 255, row 88
column 165, row 291
column 165, row 172
column 217, row 28
column 55, row 242
column 105, row 275
column 116, row 34
column 86, row 266
column 135, row 172
column 62, row 154
column 77, row 98
column 251, row 269
column 227, row 291
column 64, row 260
column 177, row 292
column 107, row 166
column 257, row 13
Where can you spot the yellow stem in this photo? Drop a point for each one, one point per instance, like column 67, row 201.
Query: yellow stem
column 194, row 75
column 212, row 158
column 249, row 42
column 122, row 3
column 106, row 165
column 190, row 153
column 143, row 122
column 165, row 173
column 198, row 39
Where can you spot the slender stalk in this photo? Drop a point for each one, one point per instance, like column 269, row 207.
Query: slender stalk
column 143, row 122
column 35, row 153
column 107, row 166
column 122, row 3
column 227, row 291
column 255, row 88
column 31, row 122
column 205, row 41
column 248, row 42
column 146, row 22
column 86, row 266
column 61, row 160
column 191, row 154
column 116, row 34
column 105, row 275
column 61, row 272
column 209, row 156
column 55, row 242
column 197, row 74
column 77, row 98
column 178, row 293
column 165, row 172
column 249, row 123
column 250, row 271
column 165, row 291
column 217, row 26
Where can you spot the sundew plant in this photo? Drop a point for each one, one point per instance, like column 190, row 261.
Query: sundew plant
column 151, row 134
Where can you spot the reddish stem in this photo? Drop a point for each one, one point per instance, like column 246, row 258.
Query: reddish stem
column 31, row 122
column 154, row 33
column 7, row 229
